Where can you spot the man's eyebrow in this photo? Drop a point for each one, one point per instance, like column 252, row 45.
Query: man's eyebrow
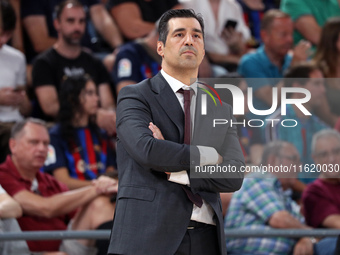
column 183, row 29
column 197, row 30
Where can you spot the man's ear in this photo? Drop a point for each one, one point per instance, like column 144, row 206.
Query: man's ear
column 56, row 24
column 12, row 144
column 263, row 35
column 160, row 48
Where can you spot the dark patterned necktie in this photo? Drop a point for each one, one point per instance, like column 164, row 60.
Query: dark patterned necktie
column 195, row 198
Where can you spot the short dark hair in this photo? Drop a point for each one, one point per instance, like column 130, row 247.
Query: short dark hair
column 60, row 7
column 163, row 27
column 7, row 15
column 299, row 73
column 19, row 126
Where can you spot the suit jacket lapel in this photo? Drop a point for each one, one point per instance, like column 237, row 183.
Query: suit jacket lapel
column 168, row 101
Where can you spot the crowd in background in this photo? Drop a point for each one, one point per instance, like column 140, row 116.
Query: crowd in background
column 65, row 62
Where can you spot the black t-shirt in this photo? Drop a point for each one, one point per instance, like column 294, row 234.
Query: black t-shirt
column 50, row 67
column 151, row 10
column 46, row 8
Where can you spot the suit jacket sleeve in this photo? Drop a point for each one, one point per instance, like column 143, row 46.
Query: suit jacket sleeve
column 134, row 113
column 228, row 147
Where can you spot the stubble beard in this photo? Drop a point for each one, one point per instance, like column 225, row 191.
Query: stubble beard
column 71, row 41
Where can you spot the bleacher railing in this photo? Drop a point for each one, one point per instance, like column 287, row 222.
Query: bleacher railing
column 105, row 234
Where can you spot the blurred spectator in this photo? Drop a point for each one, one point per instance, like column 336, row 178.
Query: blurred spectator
column 224, row 45
column 250, row 137
column 253, row 11
column 10, row 209
column 328, row 58
column 272, row 59
column 321, row 199
column 79, row 150
column 14, row 103
column 263, row 204
column 136, row 61
column 46, row 203
column 308, row 76
column 17, row 39
column 309, row 17
column 40, row 34
column 67, row 57
column 136, row 18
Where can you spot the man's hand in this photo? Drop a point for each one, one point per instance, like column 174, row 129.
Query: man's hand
column 105, row 185
column 303, row 247
column 106, row 119
column 234, row 40
column 10, row 97
column 156, row 132
column 301, row 52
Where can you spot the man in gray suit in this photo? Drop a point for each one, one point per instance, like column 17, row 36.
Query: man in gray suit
column 162, row 209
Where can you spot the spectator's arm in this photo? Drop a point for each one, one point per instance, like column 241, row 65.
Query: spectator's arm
column 124, row 83
column 331, row 221
column 62, row 175
column 105, row 25
column 220, row 58
column 309, row 28
column 106, row 119
column 48, row 99
column 283, row 219
column 304, row 247
column 17, row 40
column 64, row 202
column 25, row 106
column 256, row 151
column 9, row 208
column 37, row 31
column 129, row 19
column 105, row 96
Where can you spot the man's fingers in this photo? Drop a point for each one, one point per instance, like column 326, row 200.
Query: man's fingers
column 156, row 132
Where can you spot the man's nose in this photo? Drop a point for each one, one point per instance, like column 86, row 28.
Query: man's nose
column 78, row 26
column 188, row 39
column 42, row 147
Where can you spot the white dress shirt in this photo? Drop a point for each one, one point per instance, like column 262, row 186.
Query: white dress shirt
column 208, row 155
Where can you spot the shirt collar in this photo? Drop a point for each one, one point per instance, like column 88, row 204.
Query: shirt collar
column 14, row 171
column 266, row 60
column 175, row 84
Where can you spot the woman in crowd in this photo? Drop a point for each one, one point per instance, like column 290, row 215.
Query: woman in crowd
column 79, row 150
column 327, row 56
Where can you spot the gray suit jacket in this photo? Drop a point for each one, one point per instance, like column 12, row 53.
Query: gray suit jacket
column 152, row 213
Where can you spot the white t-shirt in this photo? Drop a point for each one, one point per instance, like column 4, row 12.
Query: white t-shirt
column 12, row 74
column 228, row 10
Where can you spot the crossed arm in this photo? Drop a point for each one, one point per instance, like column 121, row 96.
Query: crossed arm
column 65, row 202
column 9, row 208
